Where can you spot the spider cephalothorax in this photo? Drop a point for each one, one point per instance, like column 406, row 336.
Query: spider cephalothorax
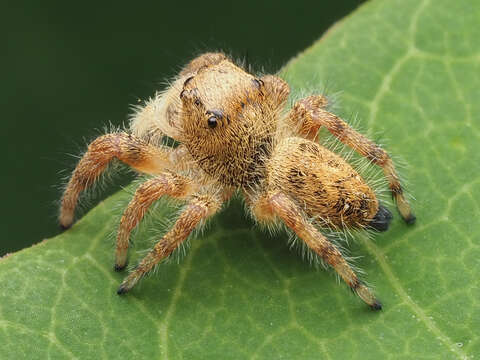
column 235, row 133
column 229, row 120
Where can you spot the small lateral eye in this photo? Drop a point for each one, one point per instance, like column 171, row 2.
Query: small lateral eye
column 185, row 83
column 258, row 83
column 212, row 122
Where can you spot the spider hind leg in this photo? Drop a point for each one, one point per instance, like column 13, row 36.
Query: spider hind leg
column 277, row 204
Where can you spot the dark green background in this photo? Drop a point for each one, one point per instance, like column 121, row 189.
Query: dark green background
column 69, row 68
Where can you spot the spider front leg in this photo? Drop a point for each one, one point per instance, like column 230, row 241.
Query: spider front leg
column 308, row 115
column 129, row 149
column 279, row 204
column 164, row 184
column 197, row 210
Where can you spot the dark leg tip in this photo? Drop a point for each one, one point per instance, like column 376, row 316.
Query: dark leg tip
column 122, row 290
column 65, row 227
column 377, row 305
column 410, row 220
column 119, row 267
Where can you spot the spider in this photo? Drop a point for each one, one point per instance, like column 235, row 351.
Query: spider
column 234, row 134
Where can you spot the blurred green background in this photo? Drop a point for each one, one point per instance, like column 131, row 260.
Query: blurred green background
column 69, row 69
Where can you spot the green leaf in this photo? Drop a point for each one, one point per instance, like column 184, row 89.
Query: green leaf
column 411, row 70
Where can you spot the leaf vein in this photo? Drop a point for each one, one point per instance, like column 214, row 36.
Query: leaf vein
column 429, row 323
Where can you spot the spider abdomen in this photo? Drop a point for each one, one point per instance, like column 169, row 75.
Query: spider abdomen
column 323, row 183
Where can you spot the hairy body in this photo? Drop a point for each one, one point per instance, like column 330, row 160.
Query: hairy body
column 235, row 134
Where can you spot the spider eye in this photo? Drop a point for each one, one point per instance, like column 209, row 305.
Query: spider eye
column 258, row 83
column 215, row 116
column 212, row 122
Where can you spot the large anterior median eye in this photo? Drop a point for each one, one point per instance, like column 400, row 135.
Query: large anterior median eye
column 215, row 116
column 212, row 122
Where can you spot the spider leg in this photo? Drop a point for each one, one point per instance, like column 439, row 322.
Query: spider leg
column 279, row 204
column 164, row 184
column 198, row 209
column 131, row 150
column 302, row 119
column 309, row 115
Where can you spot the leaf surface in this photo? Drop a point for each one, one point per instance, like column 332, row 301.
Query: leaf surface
column 411, row 70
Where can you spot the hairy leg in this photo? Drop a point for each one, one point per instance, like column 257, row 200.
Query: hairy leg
column 133, row 151
column 164, row 184
column 279, row 204
column 309, row 115
column 301, row 118
column 197, row 210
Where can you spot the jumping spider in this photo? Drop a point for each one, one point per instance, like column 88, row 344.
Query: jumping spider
column 234, row 134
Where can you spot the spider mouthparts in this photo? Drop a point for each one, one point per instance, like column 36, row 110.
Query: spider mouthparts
column 381, row 220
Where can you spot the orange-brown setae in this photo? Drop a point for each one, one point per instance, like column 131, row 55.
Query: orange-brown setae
column 235, row 134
